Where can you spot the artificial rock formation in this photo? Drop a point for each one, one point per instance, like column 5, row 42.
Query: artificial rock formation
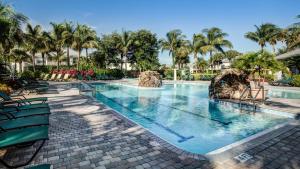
column 150, row 79
column 230, row 84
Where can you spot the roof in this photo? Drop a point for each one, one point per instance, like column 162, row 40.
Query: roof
column 290, row 54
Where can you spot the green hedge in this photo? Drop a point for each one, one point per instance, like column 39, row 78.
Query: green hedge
column 108, row 74
column 203, row 76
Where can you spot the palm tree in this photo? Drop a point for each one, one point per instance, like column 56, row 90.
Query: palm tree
column 55, row 42
column 19, row 55
column 124, row 44
column 196, row 45
column 92, row 43
column 182, row 54
column 215, row 41
column 80, row 39
column 68, row 36
column 172, row 42
column 11, row 33
column 32, row 37
column 263, row 34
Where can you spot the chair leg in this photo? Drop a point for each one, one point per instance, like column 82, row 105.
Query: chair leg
column 25, row 163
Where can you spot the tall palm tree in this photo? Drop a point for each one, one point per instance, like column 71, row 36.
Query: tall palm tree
column 32, row 37
column 197, row 43
column 172, row 42
column 68, row 36
column 56, row 42
column 215, row 41
column 81, row 38
column 182, row 54
column 263, row 34
column 11, row 33
column 124, row 43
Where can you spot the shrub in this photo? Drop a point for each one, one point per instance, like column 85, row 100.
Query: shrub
column 169, row 74
column 203, row 76
column 185, row 74
column 108, row 74
column 27, row 74
column 296, row 80
column 269, row 77
column 5, row 88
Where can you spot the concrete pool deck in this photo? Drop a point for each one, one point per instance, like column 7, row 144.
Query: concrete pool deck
column 88, row 134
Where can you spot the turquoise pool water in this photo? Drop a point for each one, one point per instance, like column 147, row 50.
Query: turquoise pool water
column 288, row 94
column 183, row 115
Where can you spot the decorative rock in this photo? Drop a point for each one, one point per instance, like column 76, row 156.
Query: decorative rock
column 230, row 84
column 150, row 79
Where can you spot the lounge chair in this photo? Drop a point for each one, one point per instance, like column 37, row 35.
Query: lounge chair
column 282, row 82
column 46, row 76
column 65, row 77
column 23, row 137
column 30, row 121
column 58, row 77
column 25, row 100
column 42, row 166
column 8, row 106
column 52, row 77
column 6, row 114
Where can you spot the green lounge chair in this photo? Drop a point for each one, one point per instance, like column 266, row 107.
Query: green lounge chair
column 42, row 166
column 22, row 137
column 282, row 82
column 25, row 100
column 23, row 122
column 6, row 115
column 9, row 106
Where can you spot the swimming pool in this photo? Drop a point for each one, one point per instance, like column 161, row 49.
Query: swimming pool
column 281, row 93
column 183, row 115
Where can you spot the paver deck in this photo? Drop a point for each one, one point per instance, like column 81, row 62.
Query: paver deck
column 87, row 134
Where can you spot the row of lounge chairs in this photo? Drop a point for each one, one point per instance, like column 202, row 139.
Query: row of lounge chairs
column 57, row 77
column 23, row 123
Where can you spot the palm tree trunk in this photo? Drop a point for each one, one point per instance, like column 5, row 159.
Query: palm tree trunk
column 122, row 61
column 57, row 60
column 20, row 66
column 33, row 61
column 43, row 57
column 78, row 60
column 274, row 50
column 15, row 66
column 195, row 59
column 68, row 57
column 86, row 53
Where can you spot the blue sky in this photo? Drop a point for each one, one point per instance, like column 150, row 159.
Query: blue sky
column 234, row 17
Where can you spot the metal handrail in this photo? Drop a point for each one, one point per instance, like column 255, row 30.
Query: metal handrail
column 240, row 99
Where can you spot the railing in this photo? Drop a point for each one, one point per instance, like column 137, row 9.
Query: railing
column 253, row 99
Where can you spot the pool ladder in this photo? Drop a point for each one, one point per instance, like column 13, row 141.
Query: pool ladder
column 254, row 99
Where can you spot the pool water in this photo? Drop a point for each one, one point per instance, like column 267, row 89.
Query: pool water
column 183, row 115
column 287, row 94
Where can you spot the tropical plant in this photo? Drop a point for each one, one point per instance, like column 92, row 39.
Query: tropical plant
column 182, row 54
column 173, row 41
column 258, row 61
column 197, row 43
column 264, row 33
column 144, row 51
column 68, row 37
column 214, row 41
column 82, row 37
column 19, row 55
column 32, row 37
column 201, row 64
column 124, row 45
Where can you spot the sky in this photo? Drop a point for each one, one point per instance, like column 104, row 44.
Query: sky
column 235, row 17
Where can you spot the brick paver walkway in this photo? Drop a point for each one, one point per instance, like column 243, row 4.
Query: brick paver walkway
column 86, row 134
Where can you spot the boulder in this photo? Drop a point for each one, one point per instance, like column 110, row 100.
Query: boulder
column 230, row 84
column 150, row 79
